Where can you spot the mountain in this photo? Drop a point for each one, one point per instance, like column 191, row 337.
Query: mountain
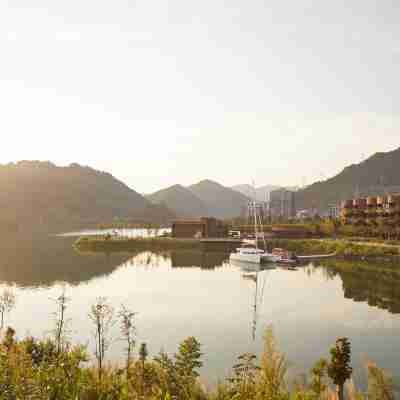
column 262, row 193
column 222, row 202
column 42, row 195
column 376, row 175
column 180, row 200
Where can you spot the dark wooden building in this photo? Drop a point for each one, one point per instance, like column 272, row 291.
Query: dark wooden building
column 198, row 228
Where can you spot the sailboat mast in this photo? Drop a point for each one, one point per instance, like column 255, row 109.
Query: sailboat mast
column 255, row 223
column 254, row 206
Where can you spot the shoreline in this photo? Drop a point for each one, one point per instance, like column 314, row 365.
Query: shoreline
column 302, row 247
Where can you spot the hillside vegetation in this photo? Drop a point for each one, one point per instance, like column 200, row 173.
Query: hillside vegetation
column 376, row 175
column 43, row 195
column 222, row 202
column 180, row 200
column 206, row 198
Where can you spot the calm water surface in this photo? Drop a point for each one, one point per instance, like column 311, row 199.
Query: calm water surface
column 189, row 293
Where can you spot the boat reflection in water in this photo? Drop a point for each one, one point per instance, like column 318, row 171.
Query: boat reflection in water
column 253, row 267
column 260, row 280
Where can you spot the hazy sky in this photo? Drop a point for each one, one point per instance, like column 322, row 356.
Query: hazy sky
column 163, row 92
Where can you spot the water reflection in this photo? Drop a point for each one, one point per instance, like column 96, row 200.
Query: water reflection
column 378, row 285
column 40, row 261
column 184, row 259
column 227, row 307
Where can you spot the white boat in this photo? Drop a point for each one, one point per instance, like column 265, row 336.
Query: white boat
column 253, row 255
column 249, row 252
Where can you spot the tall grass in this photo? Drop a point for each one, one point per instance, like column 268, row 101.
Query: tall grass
column 36, row 370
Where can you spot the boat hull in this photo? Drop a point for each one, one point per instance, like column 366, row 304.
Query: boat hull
column 246, row 258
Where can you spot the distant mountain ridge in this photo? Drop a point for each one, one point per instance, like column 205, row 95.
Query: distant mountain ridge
column 205, row 198
column 180, row 200
column 34, row 193
column 223, row 202
column 376, row 175
column 43, row 195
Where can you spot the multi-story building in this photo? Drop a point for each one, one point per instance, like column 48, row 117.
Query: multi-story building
column 369, row 210
column 334, row 211
column 282, row 203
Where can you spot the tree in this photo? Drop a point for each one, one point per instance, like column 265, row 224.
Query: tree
column 244, row 377
column 339, row 369
column 187, row 360
column 181, row 372
column 102, row 316
column 128, row 330
column 60, row 331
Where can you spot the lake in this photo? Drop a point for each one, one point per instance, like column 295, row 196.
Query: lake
column 189, row 293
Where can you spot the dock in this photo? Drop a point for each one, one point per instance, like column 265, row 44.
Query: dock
column 317, row 257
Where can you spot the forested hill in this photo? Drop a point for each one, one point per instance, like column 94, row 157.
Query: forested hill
column 41, row 195
column 222, row 202
column 205, row 198
column 180, row 200
column 376, row 175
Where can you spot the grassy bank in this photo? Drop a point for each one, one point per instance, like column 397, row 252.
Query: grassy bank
column 118, row 244
column 342, row 248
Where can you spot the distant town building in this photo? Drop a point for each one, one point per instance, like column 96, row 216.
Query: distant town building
column 282, row 203
column 261, row 209
column 334, row 211
column 371, row 210
column 198, row 228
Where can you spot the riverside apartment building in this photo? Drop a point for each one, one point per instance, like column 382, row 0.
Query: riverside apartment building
column 371, row 209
